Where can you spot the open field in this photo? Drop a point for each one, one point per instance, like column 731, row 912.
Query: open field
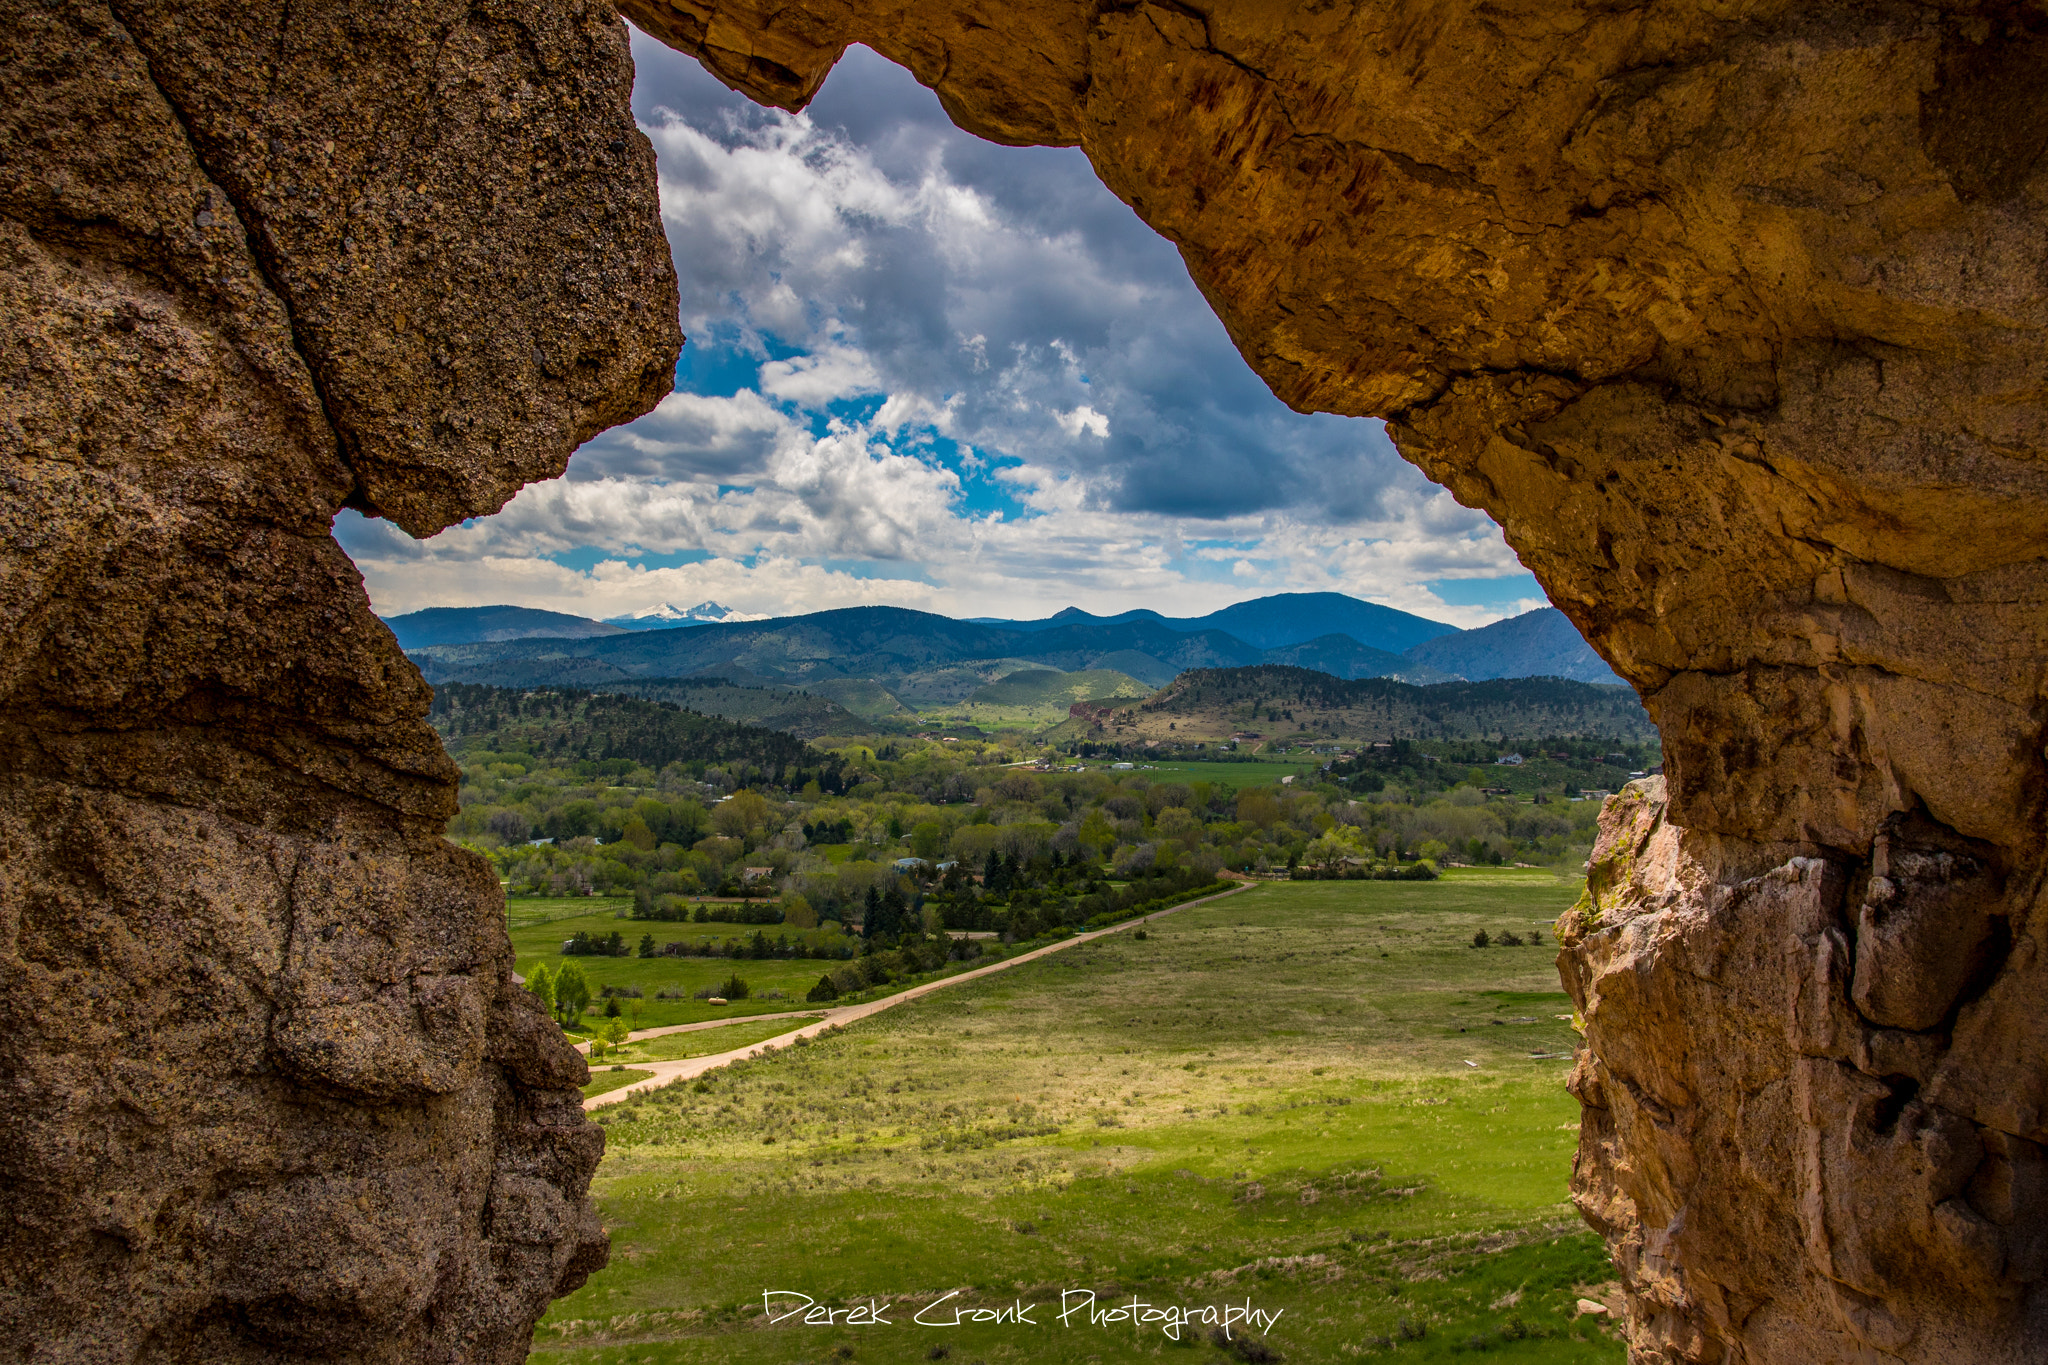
column 1233, row 775
column 1315, row 1097
column 708, row 1042
column 605, row 1079
column 1033, row 699
column 530, row 912
column 535, row 943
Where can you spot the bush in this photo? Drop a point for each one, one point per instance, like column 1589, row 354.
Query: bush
column 823, row 991
column 1481, row 939
column 1510, row 939
column 1383, row 872
column 735, row 988
column 585, row 945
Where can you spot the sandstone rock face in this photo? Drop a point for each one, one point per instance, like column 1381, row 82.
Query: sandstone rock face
column 1734, row 317
column 271, row 1092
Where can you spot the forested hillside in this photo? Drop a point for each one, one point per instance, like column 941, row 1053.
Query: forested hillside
column 558, row 727
column 1262, row 698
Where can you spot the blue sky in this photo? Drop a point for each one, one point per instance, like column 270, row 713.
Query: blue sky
column 929, row 371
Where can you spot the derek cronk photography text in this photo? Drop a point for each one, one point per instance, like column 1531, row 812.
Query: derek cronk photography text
column 1076, row 1308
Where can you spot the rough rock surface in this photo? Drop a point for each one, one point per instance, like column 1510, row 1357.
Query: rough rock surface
column 1734, row 317
column 1732, row 314
column 271, row 1093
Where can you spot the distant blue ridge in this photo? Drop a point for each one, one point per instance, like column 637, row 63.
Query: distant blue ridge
column 1328, row 632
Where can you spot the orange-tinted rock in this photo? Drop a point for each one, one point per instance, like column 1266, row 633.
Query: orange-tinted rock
column 1732, row 316
column 1734, row 319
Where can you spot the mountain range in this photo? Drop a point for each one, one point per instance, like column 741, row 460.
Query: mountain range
column 925, row 659
column 1288, row 618
column 669, row 616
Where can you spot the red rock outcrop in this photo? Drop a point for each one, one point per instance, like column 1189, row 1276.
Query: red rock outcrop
column 271, row 1092
column 1734, row 317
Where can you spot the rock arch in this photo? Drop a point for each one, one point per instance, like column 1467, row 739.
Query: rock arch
column 1732, row 316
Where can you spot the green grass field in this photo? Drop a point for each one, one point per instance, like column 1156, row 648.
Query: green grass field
column 539, row 939
column 702, row 1043
column 1235, row 776
column 605, row 1079
column 1315, row 1099
column 530, row 912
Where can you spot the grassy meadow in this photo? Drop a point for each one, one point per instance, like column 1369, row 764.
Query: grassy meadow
column 539, row 926
column 1315, row 1100
column 1236, row 776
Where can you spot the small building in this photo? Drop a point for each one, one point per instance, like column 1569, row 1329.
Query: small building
column 1122, row 767
column 909, row 864
column 753, row 874
column 1508, row 761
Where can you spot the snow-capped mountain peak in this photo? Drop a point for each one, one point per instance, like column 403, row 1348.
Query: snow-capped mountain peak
column 668, row 614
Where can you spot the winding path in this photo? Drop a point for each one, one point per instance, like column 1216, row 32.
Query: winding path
column 685, row 1068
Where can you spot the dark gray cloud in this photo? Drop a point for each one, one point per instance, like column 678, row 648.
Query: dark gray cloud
column 928, row 370
column 1041, row 295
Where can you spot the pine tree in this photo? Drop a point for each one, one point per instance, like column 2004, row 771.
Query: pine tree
column 892, row 909
column 823, row 991
column 870, row 920
column 647, row 945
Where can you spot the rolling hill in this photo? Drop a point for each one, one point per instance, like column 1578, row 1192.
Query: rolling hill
column 806, row 715
column 1537, row 644
column 1274, row 702
column 567, row 726
column 1343, row 657
column 886, row 662
column 1048, row 687
column 878, row 643
column 1288, row 618
column 471, row 625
